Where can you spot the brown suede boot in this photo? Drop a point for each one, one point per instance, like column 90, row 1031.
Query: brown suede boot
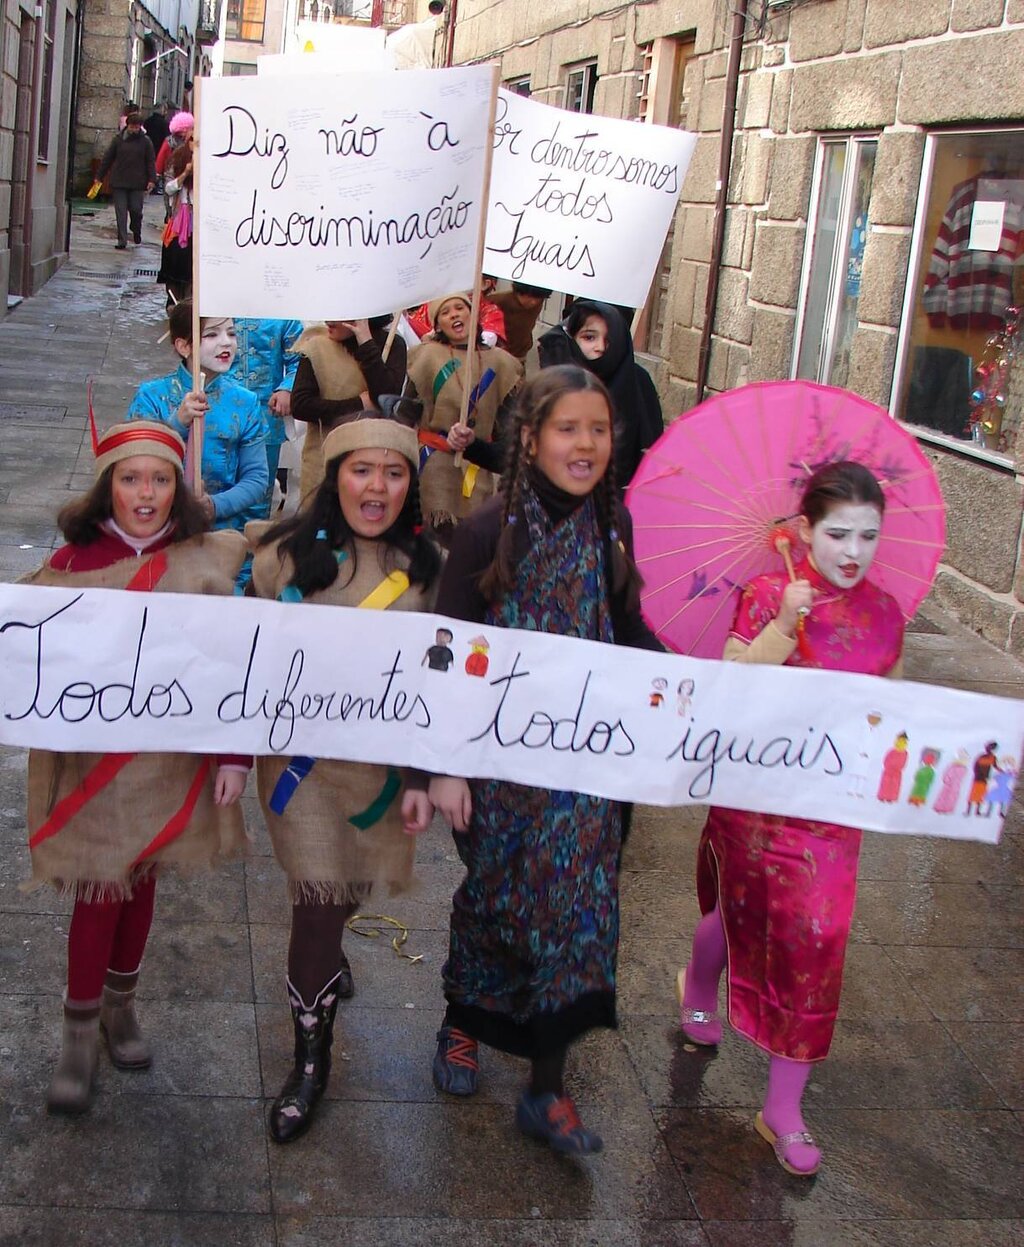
column 71, row 1086
column 125, row 1042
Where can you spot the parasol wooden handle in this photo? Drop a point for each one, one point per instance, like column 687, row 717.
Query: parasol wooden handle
column 785, row 548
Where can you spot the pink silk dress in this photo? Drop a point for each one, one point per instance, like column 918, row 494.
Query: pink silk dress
column 786, row 887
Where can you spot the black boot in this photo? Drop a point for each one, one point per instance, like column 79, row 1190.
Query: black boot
column 292, row 1112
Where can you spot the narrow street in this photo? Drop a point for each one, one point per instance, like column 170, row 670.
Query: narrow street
column 919, row 1110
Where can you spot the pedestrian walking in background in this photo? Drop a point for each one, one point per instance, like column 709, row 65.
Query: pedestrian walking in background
column 338, row 827
column 156, row 125
column 777, row 894
column 175, row 270
column 131, row 163
column 596, row 337
column 534, row 925
column 99, row 823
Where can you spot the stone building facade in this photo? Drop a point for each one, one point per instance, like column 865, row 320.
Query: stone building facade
column 37, row 66
column 149, row 52
column 874, row 220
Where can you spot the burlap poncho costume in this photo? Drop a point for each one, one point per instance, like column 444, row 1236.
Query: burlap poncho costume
column 341, row 830
column 339, row 376
column 150, row 810
column 436, row 370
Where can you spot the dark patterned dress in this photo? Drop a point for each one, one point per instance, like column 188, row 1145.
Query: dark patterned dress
column 535, row 924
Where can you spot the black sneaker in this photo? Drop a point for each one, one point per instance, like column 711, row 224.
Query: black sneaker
column 456, row 1062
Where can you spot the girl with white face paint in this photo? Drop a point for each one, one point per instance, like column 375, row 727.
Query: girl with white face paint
column 234, row 465
column 777, row 893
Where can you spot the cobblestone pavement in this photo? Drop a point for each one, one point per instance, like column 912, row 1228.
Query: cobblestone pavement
column 918, row 1109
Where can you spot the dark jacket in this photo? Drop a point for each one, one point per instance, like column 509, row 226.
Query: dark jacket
column 157, row 127
column 130, row 161
column 381, row 378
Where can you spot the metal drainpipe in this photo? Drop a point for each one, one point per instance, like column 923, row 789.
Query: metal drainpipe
column 732, row 79
column 32, row 162
column 453, row 17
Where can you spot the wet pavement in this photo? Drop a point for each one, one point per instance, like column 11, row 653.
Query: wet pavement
column 919, row 1110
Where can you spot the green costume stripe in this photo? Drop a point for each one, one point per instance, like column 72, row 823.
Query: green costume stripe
column 377, row 808
column 452, row 366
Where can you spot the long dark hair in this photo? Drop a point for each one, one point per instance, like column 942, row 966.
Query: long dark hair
column 313, row 558
column 843, row 481
column 537, row 400
column 81, row 521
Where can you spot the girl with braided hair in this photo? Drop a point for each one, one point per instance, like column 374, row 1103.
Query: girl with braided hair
column 534, row 928
column 340, row 827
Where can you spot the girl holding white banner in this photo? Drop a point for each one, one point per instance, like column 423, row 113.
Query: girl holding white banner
column 777, row 894
column 534, row 928
column 101, row 825
column 450, row 492
column 340, row 827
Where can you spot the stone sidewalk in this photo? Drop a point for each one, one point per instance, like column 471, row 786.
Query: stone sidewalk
column 919, row 1109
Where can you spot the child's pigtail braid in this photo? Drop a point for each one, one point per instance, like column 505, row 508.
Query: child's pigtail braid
column 499, row 578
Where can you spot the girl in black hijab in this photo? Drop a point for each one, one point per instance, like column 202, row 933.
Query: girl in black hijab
column 596, row 337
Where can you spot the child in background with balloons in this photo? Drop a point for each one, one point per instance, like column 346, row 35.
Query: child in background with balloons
column 534, row 928
column 777, row 893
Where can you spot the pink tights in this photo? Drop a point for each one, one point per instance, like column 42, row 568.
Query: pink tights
column 786, row 1079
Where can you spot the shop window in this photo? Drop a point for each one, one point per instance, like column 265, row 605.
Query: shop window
column 245, row 20
column 833, row 259
column 580, row 86
column 238, row 69
column 46, row 89
column 958, row 369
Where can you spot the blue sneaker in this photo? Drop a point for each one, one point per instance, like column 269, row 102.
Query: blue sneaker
column 456, row 1063
column 554, row 1119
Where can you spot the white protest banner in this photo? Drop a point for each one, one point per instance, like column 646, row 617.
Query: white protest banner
column 579, row 203
column 214, row 675
column 347, row 194
column 302, row 64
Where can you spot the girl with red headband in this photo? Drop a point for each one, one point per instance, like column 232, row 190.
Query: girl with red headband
column 101, row 825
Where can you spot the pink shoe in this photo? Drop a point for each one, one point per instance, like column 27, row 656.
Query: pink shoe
column 796, row 1152
column 701, row 1026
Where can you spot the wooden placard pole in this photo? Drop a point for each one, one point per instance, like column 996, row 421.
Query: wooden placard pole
column 198, row 380
column 481, row 242
column 392, row 332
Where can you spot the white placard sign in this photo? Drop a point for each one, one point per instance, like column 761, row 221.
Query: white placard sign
column 579, row 203
column 343, row 195
column 103, row 670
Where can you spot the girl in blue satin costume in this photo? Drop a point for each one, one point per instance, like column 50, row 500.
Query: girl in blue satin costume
column 234, row 443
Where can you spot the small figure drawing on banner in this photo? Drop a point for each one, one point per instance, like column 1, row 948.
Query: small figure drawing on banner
column 924, row 777
column 439, row 656
column 984, row 764
column 1000, row 785
column 478, row 662
column 952, row 781
column 893, row 766
column 860, row 769
column 657, row 694
column 684, row 697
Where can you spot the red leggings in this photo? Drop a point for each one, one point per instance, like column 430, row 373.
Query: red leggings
column 108, row 935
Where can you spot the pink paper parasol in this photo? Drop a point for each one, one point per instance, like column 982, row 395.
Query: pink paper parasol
column 712, row 493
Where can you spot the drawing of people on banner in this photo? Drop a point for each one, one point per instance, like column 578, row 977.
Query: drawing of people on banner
column 893, row 766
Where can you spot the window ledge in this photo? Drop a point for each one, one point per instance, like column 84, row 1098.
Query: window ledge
column 968, row 450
